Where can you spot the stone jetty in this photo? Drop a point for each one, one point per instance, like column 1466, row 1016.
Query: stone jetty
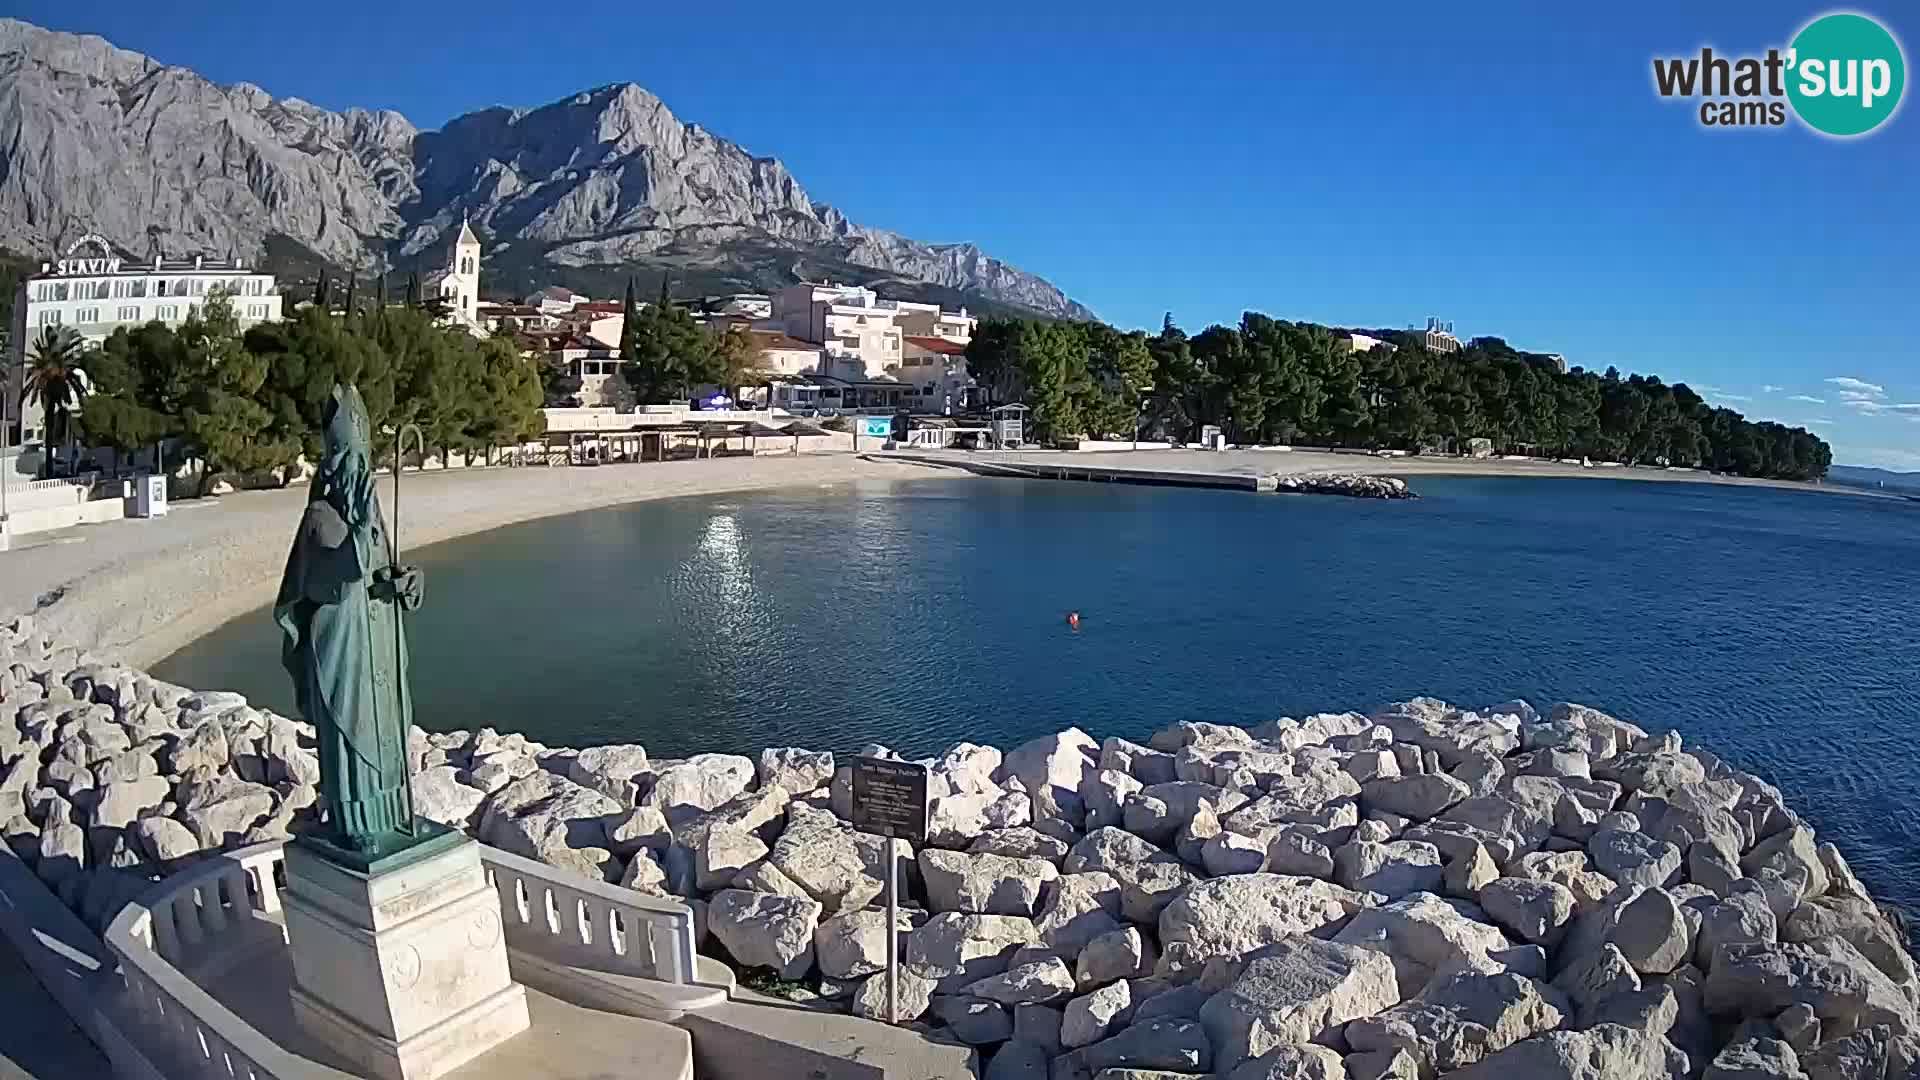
column 1356, row 485
column 1424, row 891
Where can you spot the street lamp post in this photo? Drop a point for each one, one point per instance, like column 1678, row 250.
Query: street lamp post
column 6, row 439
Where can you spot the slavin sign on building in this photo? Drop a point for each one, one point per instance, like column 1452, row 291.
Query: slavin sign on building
column 70, row 262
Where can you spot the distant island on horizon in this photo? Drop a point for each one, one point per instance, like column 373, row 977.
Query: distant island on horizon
column 1867, row 476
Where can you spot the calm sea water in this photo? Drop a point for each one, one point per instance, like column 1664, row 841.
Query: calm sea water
column 1776, row 628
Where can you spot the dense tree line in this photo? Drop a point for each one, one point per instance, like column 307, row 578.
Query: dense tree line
column 1272, row 381
column 665, row 354
column 252, row 402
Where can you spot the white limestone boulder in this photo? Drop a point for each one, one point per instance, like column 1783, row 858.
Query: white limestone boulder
column 1149, row 877
column 1039, row 982
column 913, row 995
column 1461, row 1020
column 721, row 855
column 1079, row 908
column 1232, row 916
column 1093, row 1016
column 563, row 824
column 1651, row 932
column 1606, row 1052
column 984, row 884
column 223, row 809
column 796, row 770
column 855, row 943
column 1424, row 935
column 1789, row 851
column 164, row 840
column 702, row 782
column 1021, row 842
column 438, row 795
column 842, row 869
column 1393, row 869
column 121, row 803
column 1417, row 797
column 762, row 930
column 1176, row 1046
column 1115, row 955
column 1298, row 989
column 1298, row 853
column 1537, row 912
column 954, row 949
column 1630, row 857
column 1051, row 768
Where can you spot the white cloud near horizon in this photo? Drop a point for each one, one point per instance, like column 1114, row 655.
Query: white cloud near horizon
column 1732, row 397
column 1858, row 385
column 1771, row 389
column 1885, row 457
column 1808, row 398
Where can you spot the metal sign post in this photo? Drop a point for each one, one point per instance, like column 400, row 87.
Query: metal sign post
column 893, row 932
column 890, row 800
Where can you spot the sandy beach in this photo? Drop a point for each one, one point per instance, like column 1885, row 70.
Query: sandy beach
column 139, row 590
column 136, row 591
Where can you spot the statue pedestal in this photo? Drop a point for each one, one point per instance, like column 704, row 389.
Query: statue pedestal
column 402, row 966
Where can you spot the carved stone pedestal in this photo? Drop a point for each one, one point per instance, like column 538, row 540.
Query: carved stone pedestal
column 401, row 968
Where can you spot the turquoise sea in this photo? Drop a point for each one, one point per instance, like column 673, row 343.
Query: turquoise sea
column 1776, row 628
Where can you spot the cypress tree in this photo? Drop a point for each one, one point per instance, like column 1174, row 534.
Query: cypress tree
column 322, row 290
column 629, row 327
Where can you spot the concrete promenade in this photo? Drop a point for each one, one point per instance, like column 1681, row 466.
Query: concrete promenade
column 38, row 1040
column 1248, row 463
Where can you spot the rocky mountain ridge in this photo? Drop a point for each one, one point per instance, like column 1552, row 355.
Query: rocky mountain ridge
column 94, row 138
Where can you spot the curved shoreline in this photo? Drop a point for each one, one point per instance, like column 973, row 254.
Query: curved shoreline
column 138, row 591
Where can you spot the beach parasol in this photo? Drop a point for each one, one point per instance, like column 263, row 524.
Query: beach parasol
column 755, row 429
column 802, row 427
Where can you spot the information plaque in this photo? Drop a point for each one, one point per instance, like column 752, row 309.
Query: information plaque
column 890, row 798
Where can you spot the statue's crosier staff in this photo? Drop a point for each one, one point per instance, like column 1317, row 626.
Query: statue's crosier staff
column 393, row 561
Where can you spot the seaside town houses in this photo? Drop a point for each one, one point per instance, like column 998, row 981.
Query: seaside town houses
column 821, row 347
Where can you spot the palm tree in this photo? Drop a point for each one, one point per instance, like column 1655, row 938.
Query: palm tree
column 54, row 379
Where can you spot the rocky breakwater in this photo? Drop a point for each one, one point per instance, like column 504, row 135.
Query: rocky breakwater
column 1421, row 892
column 1354, row 485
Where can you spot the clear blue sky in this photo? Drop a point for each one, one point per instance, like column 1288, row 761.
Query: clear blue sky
column 1504, row 165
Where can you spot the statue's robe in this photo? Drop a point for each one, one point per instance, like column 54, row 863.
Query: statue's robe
column 346, row 654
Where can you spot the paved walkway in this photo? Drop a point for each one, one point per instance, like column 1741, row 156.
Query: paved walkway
column 37, row 1040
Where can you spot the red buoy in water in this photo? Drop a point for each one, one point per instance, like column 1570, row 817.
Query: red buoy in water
column 1073, row 619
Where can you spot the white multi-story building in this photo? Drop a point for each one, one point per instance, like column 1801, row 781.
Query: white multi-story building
column 935, row 371
column 928, row 320
column 1439, row 337
column 864, row 348
column 92, row 289
column 557, row 299
column 857, row 332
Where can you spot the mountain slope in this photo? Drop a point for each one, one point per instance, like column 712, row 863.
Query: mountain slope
column 607, row 182
column 1868, row 477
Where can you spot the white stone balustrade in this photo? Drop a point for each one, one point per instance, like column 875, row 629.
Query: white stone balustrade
column 552, row 917
column 182, row 917
column 571, row 921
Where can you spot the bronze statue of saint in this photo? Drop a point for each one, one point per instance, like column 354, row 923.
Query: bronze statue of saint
column 339, row 611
